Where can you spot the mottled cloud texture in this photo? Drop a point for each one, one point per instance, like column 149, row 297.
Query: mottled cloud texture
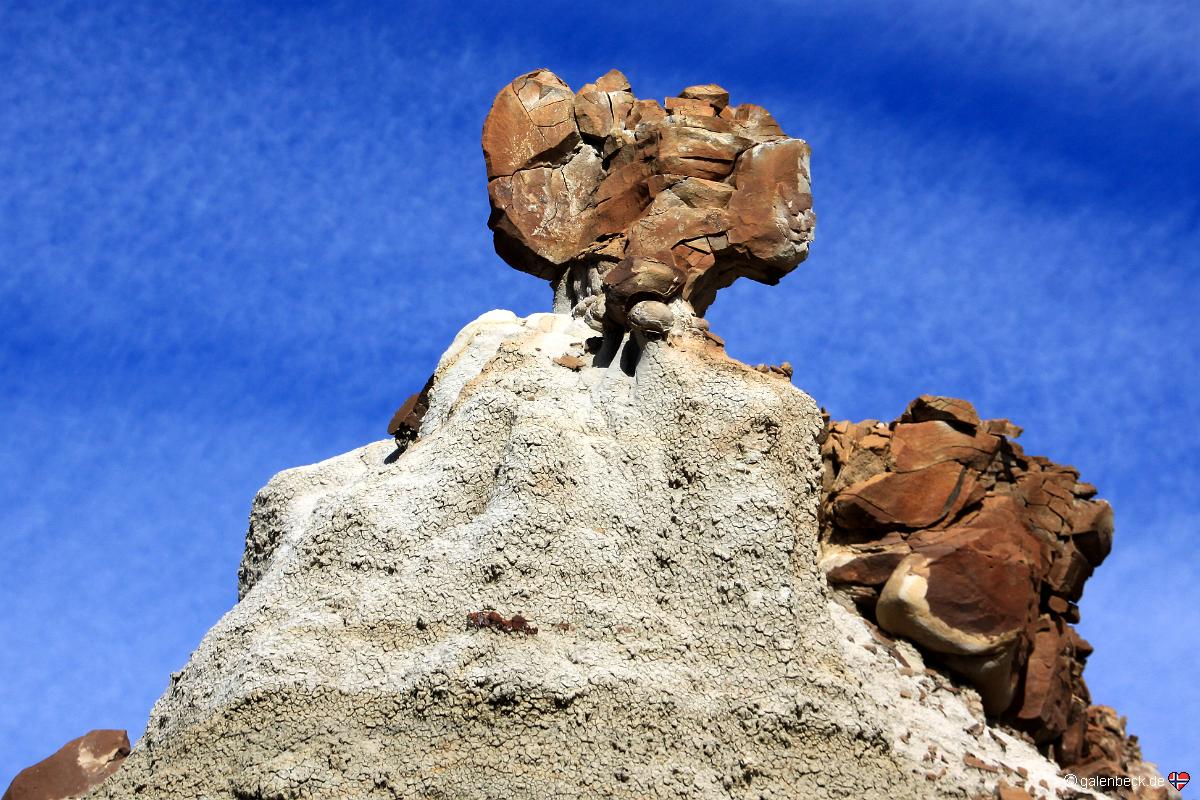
column 234, row 236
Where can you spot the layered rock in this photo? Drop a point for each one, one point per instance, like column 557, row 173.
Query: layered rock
column 74, row 769
column 639, row 212
column 944, row 531
column 593, row 573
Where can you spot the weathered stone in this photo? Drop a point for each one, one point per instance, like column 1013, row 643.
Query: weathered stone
column 78, row 766
column 893, row 500
column 771, row 209
column 532, row 123
column 710, row 93
column 651, row 317
column 1070, row 571
column 578, row 182
column 922, row 444
column 680, row 106
column 949, row 409
column 701, row 193
column 407, row 420
column 1046, row 700
column 550, row 210
column 1001, row 546
column 868, row 568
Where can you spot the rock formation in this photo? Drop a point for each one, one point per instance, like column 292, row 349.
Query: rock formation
column 942, row 530
column 653, row 515
column 637, row 212
column 78, row 766
column 600, row 565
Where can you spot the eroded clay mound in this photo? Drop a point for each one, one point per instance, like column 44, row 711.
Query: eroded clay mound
column 652, row 516
column 620, row 201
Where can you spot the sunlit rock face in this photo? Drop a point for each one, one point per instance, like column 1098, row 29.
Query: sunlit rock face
column 619, row 201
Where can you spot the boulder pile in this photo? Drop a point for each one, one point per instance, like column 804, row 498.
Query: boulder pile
column 942, row 530
column 640, row 212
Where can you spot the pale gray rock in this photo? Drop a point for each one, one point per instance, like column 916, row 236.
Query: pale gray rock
column 652, row 513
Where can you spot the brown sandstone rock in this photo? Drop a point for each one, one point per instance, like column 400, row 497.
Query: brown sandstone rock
column 77, row 767
column 532, row 123
column 891, row 500
column 602, row 193
column 407, row 420
column 942, row 529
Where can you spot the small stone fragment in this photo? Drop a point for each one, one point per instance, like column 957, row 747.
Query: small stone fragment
column 574, row 363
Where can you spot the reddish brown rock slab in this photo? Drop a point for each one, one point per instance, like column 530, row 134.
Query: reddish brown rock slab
column 927, row 408
column 1046, row 700
column 980, row 582
column 1006, row 791
column 1091, row 530
column 532, row 123
column 76, row 768
column 756, row 122
column 602, row 108
column 693, row 151
column 407, row 420
column 549, row 210
column 1068, row 573
column 893, row 500
column 921, row 444
column 710, row 93
column 771, row 210
column 869, row 568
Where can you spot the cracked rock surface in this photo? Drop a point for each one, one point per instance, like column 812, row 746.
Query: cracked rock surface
column 649, row 515
column 942, row 530
column 618, row 200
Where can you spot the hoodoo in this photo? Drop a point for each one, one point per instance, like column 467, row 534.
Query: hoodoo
column 601, row 558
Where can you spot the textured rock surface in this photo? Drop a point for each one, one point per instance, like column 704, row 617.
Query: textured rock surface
column 78, row 766
column 653, row 515
column 944, row 531
column 619, row 200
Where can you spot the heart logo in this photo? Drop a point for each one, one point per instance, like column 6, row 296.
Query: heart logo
column 1178, row 779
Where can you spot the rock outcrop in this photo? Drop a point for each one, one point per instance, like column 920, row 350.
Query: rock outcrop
column 596, row 578
column 945, row 532
column 77, row 767
column 601, row 565
column 636, row 211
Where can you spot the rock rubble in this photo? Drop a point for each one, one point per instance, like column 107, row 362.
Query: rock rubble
column 942, row 530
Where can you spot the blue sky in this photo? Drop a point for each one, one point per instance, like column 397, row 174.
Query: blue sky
column 235, row 236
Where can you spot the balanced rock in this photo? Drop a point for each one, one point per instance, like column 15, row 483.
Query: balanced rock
column 602, row 193
column 78, row 766
column 942, row 530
